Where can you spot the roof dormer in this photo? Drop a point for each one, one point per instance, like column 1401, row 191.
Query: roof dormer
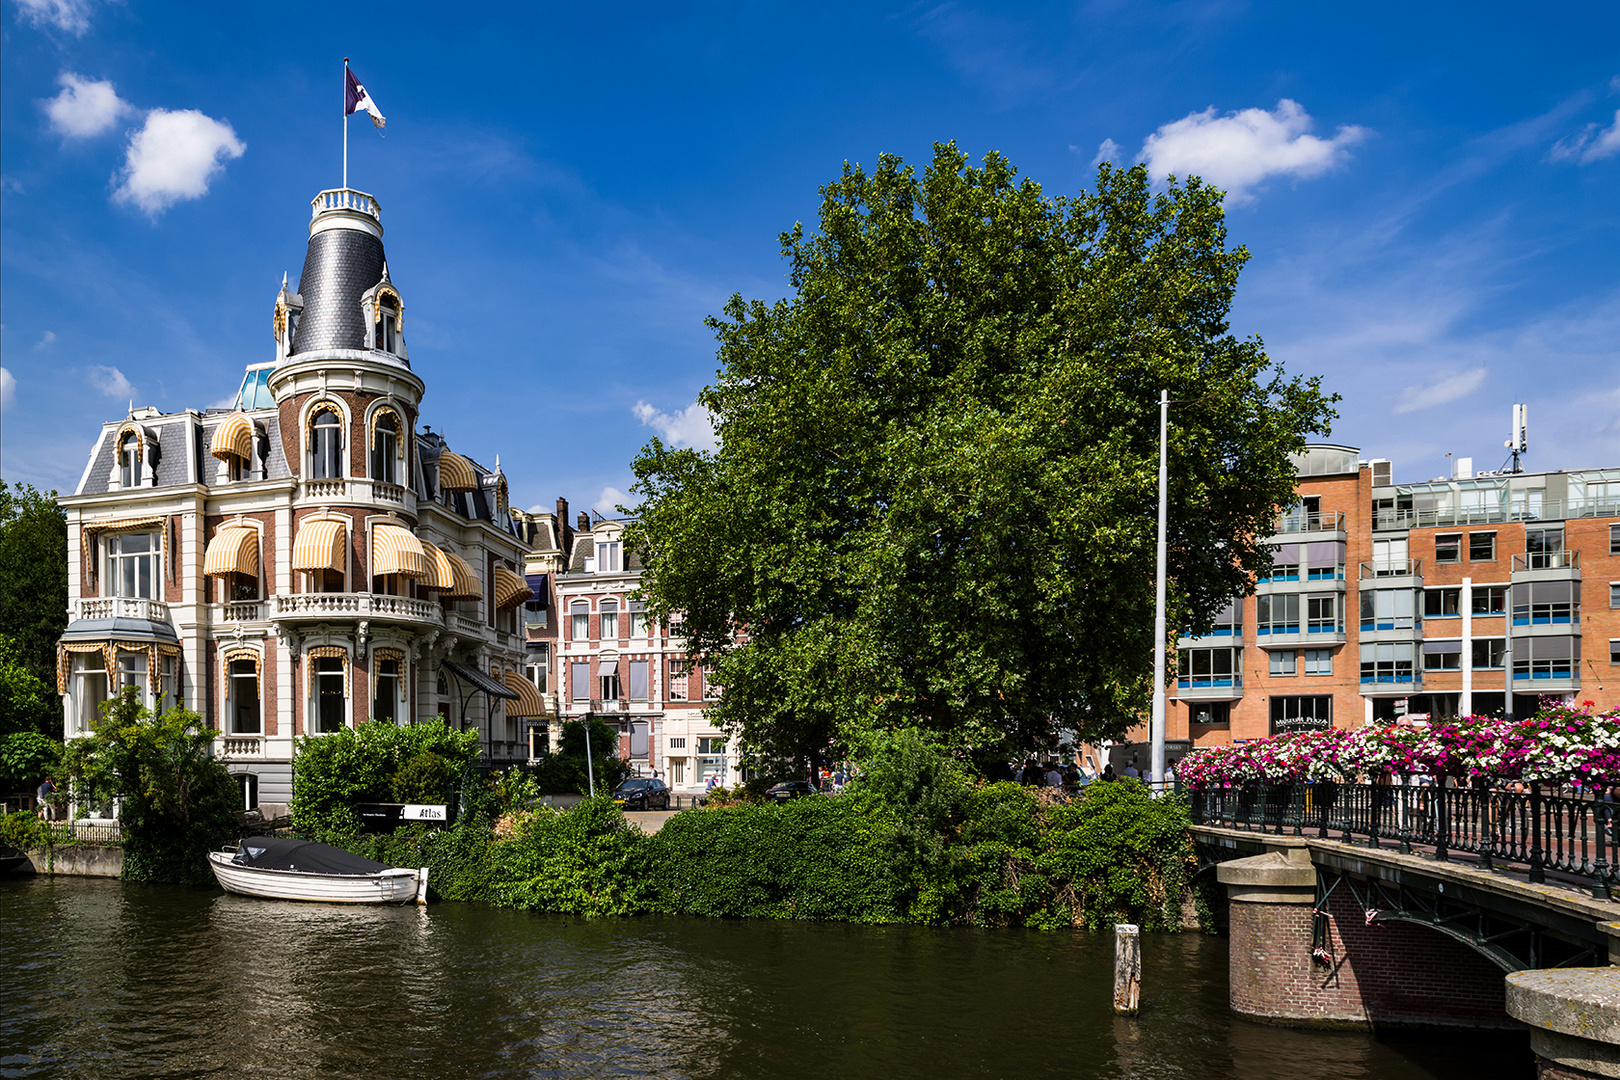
column 384, row 317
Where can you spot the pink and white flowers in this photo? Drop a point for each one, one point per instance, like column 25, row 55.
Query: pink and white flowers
column 1561, row 744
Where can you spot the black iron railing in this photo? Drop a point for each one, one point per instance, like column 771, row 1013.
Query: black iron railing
column 1522, row 825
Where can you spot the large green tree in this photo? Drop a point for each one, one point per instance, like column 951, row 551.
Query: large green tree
column 934, row 499
column 33, row 575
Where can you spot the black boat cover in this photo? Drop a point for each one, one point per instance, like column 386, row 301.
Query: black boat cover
column 285, row 853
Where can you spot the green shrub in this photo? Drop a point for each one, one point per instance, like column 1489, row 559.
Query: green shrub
column 586, row 860
column 24, row 830
column 25, row 758
column 333, row 773
column 563, row 772
column 425, row 777
column 1127, row 857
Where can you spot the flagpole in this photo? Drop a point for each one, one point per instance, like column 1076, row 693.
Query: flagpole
column 345, row 123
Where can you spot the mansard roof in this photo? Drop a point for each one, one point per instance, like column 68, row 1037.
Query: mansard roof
column 340, row 265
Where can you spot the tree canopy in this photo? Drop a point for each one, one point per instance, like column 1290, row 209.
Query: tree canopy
column 33, row 576
column 934, row 499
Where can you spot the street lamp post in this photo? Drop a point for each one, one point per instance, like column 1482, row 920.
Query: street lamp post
column 1156, row 730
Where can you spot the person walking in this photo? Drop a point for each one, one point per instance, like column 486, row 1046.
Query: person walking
column 46, row 789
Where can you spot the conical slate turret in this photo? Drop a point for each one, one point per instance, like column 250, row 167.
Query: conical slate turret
column 344, row 259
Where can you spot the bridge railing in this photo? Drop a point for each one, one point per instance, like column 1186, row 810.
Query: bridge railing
column 1520, row 825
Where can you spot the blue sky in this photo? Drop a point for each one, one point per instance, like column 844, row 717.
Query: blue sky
column 1431, row 194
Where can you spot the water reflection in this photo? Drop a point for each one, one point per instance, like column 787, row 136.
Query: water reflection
column 125, row 981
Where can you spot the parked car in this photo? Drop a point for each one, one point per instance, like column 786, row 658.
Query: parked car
column 642, row 793
column 788, row 790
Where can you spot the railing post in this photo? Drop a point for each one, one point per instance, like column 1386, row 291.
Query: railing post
column 1538, row 874
column 1487, row 808
column 1375, row 807
column 1442, row 821
column 1403, row 814
column 1603, row 820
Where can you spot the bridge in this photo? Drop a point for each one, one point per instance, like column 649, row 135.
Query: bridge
column 1354, row 905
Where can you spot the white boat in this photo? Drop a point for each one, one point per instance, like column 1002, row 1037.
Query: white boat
column 287, row 869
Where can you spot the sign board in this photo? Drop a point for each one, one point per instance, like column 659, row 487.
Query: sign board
column 415, row 812
column 1400, row 706
column 1290, row 725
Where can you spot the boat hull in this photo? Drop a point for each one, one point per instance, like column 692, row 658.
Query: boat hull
column 393, row 886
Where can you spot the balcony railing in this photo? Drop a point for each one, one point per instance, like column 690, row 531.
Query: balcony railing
column 1332, row 521
column 238, row 611
column 238, row 746
column 1547, row 560
column 119, row 607
column 354, row 606
column 1535, row 828
column 1545, row 510
column 1392, row 568
column 344, row 199
column 609, row 705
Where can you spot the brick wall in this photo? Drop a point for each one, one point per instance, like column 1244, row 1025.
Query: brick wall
column 1391, row 973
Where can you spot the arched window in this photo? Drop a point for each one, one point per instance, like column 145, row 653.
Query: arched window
column 326, row 449
column 385, row 448
column 387, row 326
column 129, row 462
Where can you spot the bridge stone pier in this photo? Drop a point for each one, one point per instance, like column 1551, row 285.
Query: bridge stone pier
column 1331, row 933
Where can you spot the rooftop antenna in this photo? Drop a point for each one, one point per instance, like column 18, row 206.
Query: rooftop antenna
column 1517, row 444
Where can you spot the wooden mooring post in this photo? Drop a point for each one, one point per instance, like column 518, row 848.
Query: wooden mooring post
column 1127, row 968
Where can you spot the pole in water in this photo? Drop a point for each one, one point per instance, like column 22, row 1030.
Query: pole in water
column 1127, row 968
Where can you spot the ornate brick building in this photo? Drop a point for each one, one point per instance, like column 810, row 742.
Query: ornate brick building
column 309, row 559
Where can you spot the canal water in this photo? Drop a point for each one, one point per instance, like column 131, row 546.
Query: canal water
column 103, row 981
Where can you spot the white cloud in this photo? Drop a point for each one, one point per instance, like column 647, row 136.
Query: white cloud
column 692, row 426
column 1592, row 144
column 84, row 108
column 1241, row 149
column 607, row 504
column 1440, row 391
column 8, row 389
column 48, row 337
column 1107, row 150
column 110, row 381
column 173, row 157
column 70, row 15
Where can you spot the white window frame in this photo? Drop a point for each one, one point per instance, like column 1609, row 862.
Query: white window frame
column 1284, row 662
column 607, row 618
column 233, row 684
column 579, row 620
column 113, row 559
column 1316, row 661
column 400, row 681
column 315, row 677
column 315, row 456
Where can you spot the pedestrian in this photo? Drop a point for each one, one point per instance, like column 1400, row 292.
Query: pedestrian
column 46, row 790
column 1108, row 773
column 1053, row 778
column 1131, row 771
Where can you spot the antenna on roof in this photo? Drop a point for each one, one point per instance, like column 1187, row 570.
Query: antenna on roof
column 1518, row 443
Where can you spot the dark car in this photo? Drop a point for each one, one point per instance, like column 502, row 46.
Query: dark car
column 789, row 790
column 642, row 793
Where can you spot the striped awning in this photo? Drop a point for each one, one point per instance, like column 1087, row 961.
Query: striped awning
column 456, row 472
column 529, row 702
column 233, row 438
column 449, row 573
column 395, row 550
column 233, row 550
column 509, row 588
column 319, row 546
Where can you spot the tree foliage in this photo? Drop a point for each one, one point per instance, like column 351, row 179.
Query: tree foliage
column 934, row 499
column 33, row 577
column 563, row 771
column 26, row 757
column 176, row 802
column 27, row 702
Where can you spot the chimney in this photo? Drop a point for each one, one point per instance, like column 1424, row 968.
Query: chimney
column 584, row 522
column 562, row 512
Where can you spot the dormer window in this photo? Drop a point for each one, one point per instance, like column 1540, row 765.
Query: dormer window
column 385, row 449
column 129, row 462
column 608, row 557
column 388, row 328
column 326, row 446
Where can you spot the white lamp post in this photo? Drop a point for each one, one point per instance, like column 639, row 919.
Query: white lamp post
column 1156, row 729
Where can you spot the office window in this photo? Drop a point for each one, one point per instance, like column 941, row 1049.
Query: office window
column 1448, row 547
column 1322, row 615
column 1539, row 603
column 1324, row 560
column 1482, row 547
column 385, row 691
column 1614, row 650
column 579, row 681
column 1488, row 652
column 1387, row 662
column 1318, row 661
column 710, row 744
column 1285, row 563
column 1291, row 713
column 1390, row 557
column 1614, row 539
column 1546, row 657
column 132, row 564
column 1442, row 656
column 243, row 706
column 1614, row 594
column 677, row 686
column 1544, row 548
column 1210, row 713
column 1441, row 603
column 580, row 612
column 610, row 619
column 1387, row 609
column 1277, row 614
column 1490, row 600
column 1283, row 662
column 1210, row 668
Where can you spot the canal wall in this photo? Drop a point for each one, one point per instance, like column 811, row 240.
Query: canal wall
column 77, row 860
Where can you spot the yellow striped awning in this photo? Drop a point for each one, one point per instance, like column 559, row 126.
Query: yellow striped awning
column 509, row 588
column 319, row 546
column 395, row 550
column 529, row 702
column 233, row 438
column 233, row 550
column 466, row 580
column 456, row 472
column 449, row 573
